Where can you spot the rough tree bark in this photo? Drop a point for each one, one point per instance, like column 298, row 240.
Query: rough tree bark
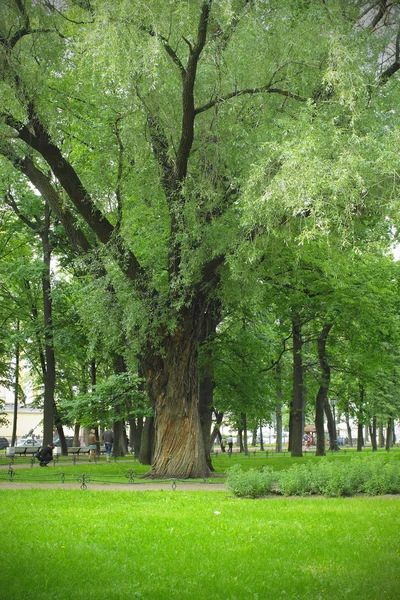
column 172, row 383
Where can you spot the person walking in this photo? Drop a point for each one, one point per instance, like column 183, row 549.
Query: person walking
column 92, row 446
column 229, row 441
column 45, row 455
column 108, row 439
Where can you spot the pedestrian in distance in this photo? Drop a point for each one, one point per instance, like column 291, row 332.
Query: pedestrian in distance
column 108, row 439
column 229, row 441
column 45, row 455
column 92, row 446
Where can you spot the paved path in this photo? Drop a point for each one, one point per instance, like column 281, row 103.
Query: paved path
column 120, row 487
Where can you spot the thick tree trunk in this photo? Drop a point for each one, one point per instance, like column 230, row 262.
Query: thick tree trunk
column 296, row 433
column 172, row 383
column 322, row 395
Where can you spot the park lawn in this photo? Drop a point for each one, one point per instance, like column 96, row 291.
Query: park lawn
column 74, row 544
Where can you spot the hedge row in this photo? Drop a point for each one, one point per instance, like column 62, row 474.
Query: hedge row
column 374, row 475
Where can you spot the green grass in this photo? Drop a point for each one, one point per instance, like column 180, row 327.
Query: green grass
column 106, row 545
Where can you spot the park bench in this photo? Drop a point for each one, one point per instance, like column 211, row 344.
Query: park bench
column 77, row 451
column 14, row 451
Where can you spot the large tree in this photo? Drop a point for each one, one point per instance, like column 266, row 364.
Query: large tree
column 147, row 120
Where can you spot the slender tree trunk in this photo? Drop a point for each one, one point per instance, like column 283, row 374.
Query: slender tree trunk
column 350, row 438
column 296, row 436
column 16, row 389
column 389, row 434
column 244, row 425
column 254, row 437
column 147, row 443
column 77, row 428
column 93, row 381
column 366, row 433
column 290, row 426
column 381, row 437
column 120, row 444
column 135, row 434
column 206, row 374
column 50, row 375
column 372, row 432
column 278, row 410
column 360, row 440
column 261, row 437
column 279, row 428
column 240, row 439
column 330, row 425
column 322, row 396
column 206, row 394
column 60, row 431
column 216, row 431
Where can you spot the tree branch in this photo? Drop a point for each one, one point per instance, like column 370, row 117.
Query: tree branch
column 70, row 181
column 9, row 199
column 188, row 81
column 395, row 66
column 168, row 49
column 260, row 90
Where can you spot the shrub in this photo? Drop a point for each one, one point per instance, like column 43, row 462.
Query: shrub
column 381, row 477
column 335, row 479
column 372, row 475
column 250, row 484
column 296, row 481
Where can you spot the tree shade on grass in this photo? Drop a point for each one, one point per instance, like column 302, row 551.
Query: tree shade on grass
column 153, row 545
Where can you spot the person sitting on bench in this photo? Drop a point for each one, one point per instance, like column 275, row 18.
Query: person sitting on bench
column 45, row 455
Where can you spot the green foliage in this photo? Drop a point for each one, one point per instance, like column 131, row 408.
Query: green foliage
column 372, row 475
column 251, row 483
column 118, row 396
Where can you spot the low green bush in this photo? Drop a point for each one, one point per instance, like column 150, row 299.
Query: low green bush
column 296, row 481
column 372, row 475
column 251, row 483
